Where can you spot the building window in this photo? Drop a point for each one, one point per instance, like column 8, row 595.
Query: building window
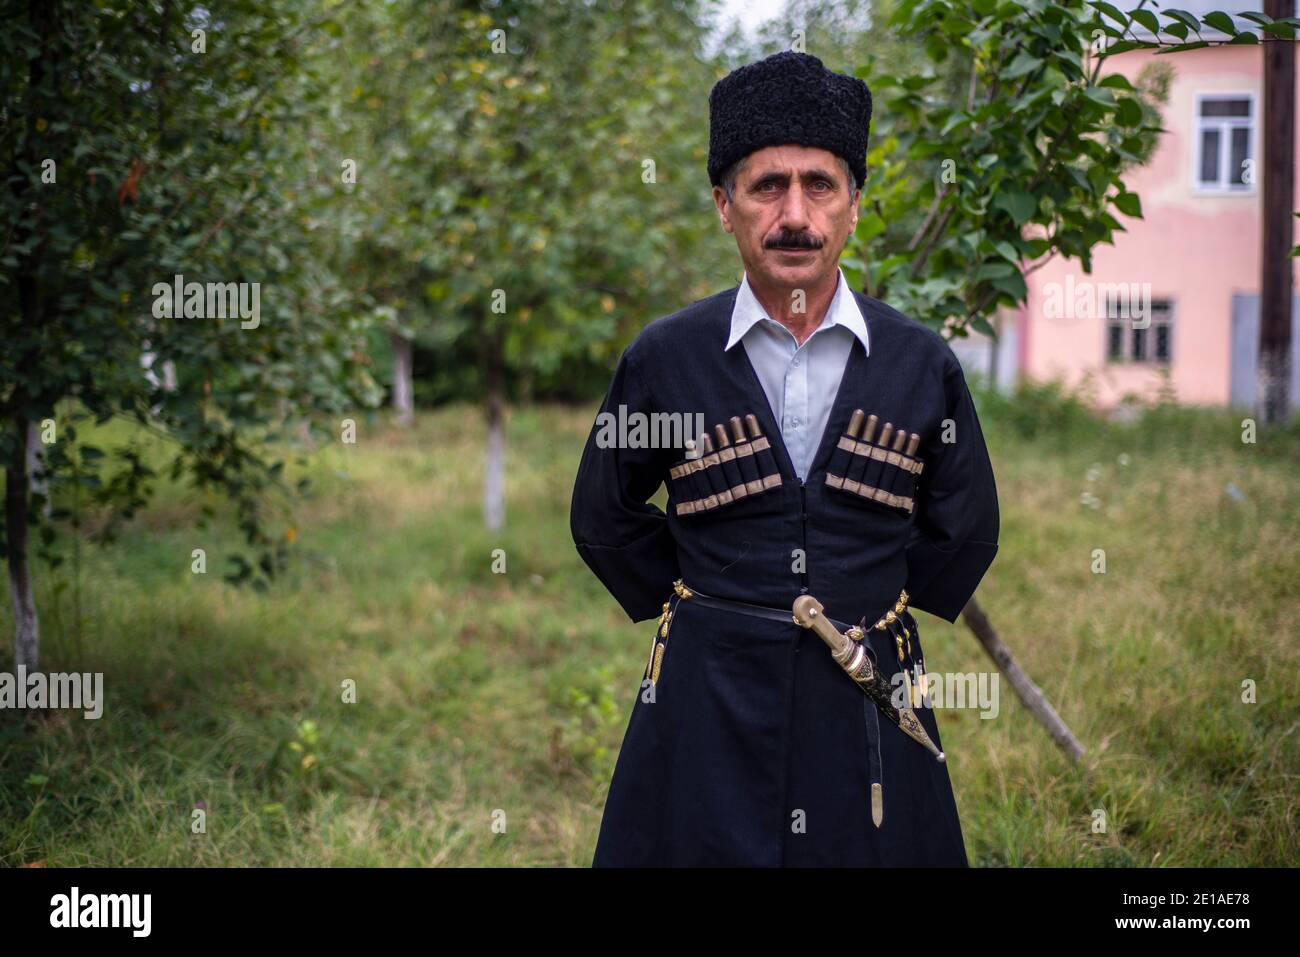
column 1127, row 341
column 1225, row 142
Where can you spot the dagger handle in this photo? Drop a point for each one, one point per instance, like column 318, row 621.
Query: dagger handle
column 809, row 613
column 848, row 654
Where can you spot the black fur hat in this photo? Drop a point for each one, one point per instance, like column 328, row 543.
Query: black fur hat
column 788, row 97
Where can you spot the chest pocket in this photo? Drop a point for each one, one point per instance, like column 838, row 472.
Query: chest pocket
column 878, row 470
column 739, row 467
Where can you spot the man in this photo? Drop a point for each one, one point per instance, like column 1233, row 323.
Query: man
column 841, row 459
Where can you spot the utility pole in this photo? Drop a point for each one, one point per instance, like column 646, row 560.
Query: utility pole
column 1273, row 399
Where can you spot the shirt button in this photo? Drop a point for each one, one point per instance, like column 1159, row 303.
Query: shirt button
column 795, row 423
column 795, row 363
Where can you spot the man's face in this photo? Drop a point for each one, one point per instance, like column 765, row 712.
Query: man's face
column 791, row 214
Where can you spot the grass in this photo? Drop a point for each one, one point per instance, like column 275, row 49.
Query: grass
column 489, row 707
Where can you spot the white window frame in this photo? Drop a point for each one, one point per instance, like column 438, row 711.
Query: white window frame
column 1224, row 124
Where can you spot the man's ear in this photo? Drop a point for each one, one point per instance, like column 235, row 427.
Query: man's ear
column 857, row 201
column 720, row 200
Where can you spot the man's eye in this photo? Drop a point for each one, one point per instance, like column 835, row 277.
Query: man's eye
column 822, row 183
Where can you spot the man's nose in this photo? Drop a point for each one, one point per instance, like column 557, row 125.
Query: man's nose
column 794, row 210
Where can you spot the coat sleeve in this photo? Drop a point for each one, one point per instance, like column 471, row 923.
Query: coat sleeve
column 955, row 533
column 624, row 540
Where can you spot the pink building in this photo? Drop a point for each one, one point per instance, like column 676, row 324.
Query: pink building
column 1188, row 272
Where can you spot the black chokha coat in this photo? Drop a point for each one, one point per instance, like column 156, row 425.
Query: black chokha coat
column 751, row 746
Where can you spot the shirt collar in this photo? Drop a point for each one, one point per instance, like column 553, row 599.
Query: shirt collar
column 843, row 311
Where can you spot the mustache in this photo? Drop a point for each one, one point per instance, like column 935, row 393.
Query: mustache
column 789, row 240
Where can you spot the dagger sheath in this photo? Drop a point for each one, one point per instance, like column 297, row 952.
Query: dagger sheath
column 857, row 664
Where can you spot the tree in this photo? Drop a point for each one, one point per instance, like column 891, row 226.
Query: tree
column 146, row 142
column 968, row 193
column 528, row 167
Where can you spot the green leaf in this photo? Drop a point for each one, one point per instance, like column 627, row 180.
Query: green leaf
column 869, row 227
column 1221, row 22
column 1013, row 285
column 1072, row 58
column 1147, row 19
column 1279, row 29
column 1184, row 17
column 1020, row 206
column 1129, row 112
column 1098, row 95
column 1178, row 30
column 1115, row 81
column 1021, row 65
column 1129, row 204
column 994, row 269
column 1110, row 10
column 956, row 120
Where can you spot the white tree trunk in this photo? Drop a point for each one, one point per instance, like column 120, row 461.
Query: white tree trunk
column 403, row 388
column 494, row 484
column 39, row 481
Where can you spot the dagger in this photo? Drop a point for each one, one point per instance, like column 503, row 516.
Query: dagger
column 852, row 657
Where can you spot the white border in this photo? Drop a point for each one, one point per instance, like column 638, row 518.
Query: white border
column 1198, row 188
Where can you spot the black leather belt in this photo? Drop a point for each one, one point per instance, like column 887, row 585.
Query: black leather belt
column 744, row 607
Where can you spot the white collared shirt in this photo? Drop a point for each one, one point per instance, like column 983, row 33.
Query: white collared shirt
column 801, row 381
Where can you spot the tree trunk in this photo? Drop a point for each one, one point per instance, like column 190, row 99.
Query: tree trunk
column 39, row 482
column 1276, row 203
column 26, row 624
column 494, row 483
column 32, row 308
column 403, row 388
